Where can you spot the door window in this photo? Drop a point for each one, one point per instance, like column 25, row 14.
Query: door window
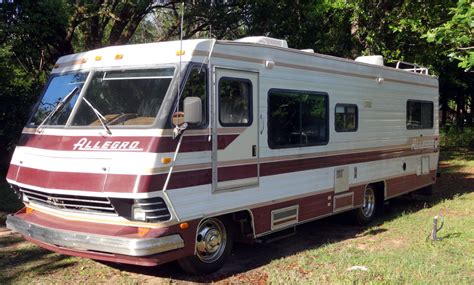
column 235, row 102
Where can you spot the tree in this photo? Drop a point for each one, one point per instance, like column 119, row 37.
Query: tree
column 457, row 34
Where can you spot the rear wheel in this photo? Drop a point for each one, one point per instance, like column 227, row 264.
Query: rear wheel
column 366, row 214
column 214, row 241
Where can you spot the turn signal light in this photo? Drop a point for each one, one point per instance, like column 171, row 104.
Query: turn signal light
column 166, row 160
column 29, row 210
column 143, row 231
column 183, row 226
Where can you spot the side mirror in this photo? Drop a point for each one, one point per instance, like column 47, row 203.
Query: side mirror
column 192, row 110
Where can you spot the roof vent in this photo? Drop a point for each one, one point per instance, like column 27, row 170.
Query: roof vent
column 264, row 41
column 371, row 59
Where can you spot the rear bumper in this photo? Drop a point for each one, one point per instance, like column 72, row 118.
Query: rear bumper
column 94, row 242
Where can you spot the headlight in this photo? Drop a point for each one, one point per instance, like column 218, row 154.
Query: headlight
column 138, row 214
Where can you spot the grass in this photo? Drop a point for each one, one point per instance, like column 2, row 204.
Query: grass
column 398, row 254
column 456, row 159
column 394, row 250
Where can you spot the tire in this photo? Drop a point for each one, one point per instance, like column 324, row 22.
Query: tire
column 366, row 214
column 214, row 241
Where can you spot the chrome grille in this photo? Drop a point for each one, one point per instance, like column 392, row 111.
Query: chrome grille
column 155, row 209
column 70, row 202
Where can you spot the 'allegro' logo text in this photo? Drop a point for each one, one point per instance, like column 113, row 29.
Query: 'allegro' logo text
column 86, row 144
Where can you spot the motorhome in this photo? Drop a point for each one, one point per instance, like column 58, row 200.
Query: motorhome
column 149, row 153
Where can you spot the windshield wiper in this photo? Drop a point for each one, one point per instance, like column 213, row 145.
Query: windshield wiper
column 102, row 119
column 57, row 108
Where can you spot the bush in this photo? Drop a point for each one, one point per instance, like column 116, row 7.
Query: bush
column 452, row 137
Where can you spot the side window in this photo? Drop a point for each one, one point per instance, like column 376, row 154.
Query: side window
column 195, row 87
column 419, row 114
column 346, row 118
column 235, row 102
column 297, row 118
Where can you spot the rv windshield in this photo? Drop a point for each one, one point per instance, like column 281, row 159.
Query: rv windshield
column 59, row 86
column 125, row 97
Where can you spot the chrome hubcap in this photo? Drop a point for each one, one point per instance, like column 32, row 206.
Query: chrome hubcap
column 211, row 240
column 369, row 203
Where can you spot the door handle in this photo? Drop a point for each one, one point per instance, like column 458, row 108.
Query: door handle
column 254, row 150
column 262, row 124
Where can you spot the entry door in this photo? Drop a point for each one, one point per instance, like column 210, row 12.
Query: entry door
column 237, row 129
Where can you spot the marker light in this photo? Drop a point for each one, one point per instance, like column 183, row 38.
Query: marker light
column 118, row 56
column 183, row 226
column 180, row 52
column 98, row 58
column 143, row 231
column 84, row 60
column 29, row 210
column 165, row 160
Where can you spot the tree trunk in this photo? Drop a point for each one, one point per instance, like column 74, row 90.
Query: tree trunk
column 444, row 111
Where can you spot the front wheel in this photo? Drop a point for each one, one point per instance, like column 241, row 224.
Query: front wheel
column 214, row 241
column 366, row 214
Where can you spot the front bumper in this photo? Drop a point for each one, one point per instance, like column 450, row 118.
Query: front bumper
column 95, row 242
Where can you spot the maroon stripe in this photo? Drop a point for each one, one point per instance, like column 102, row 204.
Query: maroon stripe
column 75, row 181
column 318, row 205
column 125, row 183
column 144, row 144
column 12, row 171
column 401, row 185
column 237, row 172
column 272, row 168
column 177, row 180
column 309, row 207
column 358, row 195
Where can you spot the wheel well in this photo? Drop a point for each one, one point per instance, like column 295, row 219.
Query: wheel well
column 380, row 188
column 243, row 221
column 380, row 194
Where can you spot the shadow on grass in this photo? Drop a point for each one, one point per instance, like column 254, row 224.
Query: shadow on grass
column 316, row 234
column 16, row 262
column 10, row 240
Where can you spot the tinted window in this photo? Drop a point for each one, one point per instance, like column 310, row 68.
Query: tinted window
column 297, row 118
column 234, row 102
column 128, row 97
column 58, row 88
column 346, row 118
column 195, row 87
column 419, row 114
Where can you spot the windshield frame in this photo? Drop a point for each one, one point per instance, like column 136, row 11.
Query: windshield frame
column 159, row 120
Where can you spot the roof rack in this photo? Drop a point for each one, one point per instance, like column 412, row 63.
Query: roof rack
column 412, row 67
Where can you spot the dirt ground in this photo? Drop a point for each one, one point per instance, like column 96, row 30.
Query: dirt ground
column 246, row 264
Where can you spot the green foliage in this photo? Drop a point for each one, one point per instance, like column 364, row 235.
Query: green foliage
column 453, row 138
column 457, row 34
column 31, row 33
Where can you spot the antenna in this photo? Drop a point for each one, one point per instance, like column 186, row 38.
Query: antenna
column 179, row 65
